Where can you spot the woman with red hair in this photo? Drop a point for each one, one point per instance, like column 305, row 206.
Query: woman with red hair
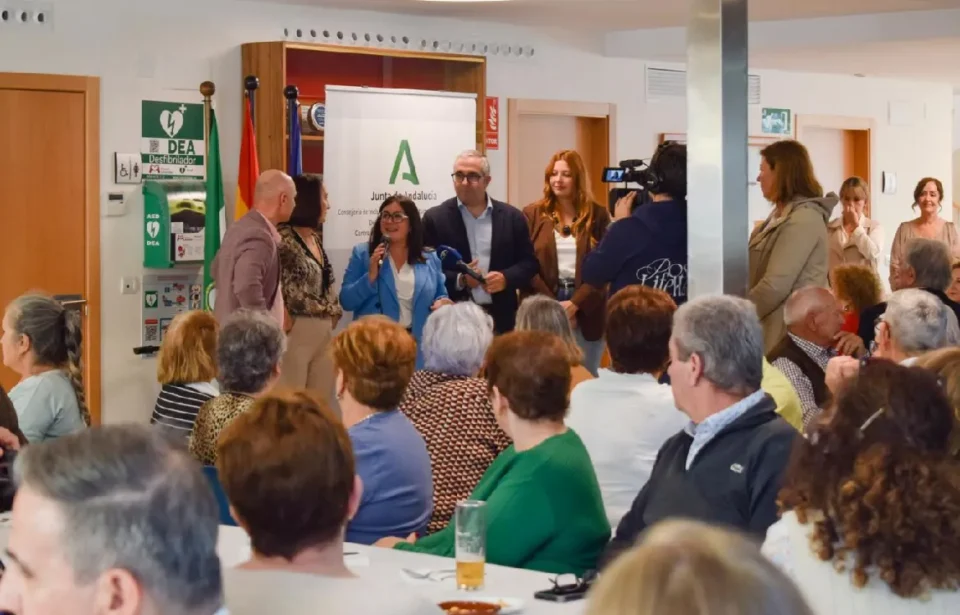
column 565, row 225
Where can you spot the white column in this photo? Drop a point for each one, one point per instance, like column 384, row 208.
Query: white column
column 717, row 217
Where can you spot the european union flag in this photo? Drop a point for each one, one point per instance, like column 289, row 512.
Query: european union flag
column 295, row 143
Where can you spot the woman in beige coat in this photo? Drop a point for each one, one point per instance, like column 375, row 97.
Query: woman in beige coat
column 789, row 250
column 853, row 238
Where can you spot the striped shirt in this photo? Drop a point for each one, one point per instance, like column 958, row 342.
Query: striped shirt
column 177, row 406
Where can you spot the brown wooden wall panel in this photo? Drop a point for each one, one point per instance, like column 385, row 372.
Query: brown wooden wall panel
column 266, row 61
column 312, row 67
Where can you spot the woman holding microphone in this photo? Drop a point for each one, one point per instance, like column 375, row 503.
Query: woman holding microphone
column 392, row 274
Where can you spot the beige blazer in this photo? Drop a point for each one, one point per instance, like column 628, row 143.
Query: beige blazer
column 788, row 253
column 862, row 247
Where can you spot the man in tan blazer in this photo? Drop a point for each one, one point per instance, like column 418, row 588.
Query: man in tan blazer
column 246, row 271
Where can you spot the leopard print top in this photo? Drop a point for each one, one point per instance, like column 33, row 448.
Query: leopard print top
column 212, row 418
column 307, row 283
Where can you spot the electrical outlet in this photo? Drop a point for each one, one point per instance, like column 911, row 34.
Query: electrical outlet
column 129, row 286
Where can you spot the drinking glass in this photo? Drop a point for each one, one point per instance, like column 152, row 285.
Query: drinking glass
column 470, row 525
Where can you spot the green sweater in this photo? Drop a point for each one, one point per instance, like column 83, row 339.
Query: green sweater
column 544, row 510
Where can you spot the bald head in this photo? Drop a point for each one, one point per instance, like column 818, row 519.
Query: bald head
column 274, row 196
column 807, row 302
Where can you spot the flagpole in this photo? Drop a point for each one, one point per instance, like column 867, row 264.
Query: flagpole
column 291, row 92
column 207, row 89
column 250, row 84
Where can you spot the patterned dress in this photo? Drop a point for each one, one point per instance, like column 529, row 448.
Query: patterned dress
column 454, row 416
column 212, row 419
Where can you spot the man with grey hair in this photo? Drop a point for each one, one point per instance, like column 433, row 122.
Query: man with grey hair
column 927, row 265
column 914, row 323
column 115, row 520
column 450, row 406
column 814, row 320
column 726, row 466
column 491, row 236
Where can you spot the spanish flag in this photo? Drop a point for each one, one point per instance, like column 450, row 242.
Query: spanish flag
column 249, row 166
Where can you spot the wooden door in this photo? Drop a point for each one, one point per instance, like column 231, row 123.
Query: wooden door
column 542, row 136
column 49, row 201
column 537, row 129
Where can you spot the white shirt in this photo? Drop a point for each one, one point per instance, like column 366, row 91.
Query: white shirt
column 829, row 592
column 256, row 592
column 405, row 282
column 623, row 420
column 566, row 255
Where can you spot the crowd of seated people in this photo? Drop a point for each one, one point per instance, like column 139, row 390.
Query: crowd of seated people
column 819, row 418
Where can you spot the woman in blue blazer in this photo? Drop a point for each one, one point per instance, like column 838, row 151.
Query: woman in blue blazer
column 392, row 274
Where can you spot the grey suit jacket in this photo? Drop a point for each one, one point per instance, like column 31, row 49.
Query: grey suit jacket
column 246, row 270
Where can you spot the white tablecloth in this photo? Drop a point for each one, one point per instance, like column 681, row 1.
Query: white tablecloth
column 501, row 582
column 233, row 547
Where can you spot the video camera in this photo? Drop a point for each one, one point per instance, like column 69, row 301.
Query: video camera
column 633, row 171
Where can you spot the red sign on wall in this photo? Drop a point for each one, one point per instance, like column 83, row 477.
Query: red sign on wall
column 492, row 122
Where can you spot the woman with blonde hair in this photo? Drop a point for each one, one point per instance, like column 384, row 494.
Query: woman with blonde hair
column 857, row 287
column 186, row 371
column 42, row 341
column 540, row 313
column 854, row 238
column 566, row 225
column 789, row 250
column 691, row 568
column 928, row 199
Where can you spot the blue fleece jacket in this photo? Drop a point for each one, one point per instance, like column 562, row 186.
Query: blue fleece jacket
column 649, row 247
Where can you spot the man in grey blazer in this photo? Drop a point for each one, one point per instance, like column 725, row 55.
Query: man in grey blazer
column 246, row 271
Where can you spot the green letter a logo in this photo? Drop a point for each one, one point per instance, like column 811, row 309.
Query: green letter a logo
column 411, row 176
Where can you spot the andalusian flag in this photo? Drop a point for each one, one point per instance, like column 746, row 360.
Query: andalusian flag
column 249, row 166
column 215, row 221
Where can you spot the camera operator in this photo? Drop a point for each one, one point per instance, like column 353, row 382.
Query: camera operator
column 648, row 245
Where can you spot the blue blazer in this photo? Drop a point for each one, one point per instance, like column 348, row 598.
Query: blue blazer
column 362, row 298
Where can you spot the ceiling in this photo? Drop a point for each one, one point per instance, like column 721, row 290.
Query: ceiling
column 609, row 15
column 921, row 60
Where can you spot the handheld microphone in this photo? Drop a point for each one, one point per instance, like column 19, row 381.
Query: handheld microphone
column 452, row 259
column 385, row 242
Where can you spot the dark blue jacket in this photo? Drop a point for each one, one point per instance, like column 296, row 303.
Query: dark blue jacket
column 733, row 482
column 649, row 247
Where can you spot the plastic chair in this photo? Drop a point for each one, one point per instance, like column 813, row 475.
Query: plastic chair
column 214, row 479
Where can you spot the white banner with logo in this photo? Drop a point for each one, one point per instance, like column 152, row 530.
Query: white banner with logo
column 379, row 142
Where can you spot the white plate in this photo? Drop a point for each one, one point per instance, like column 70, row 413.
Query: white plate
column 510, row 606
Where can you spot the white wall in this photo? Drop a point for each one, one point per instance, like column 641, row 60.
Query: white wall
column 956, row 155
column 143, row 50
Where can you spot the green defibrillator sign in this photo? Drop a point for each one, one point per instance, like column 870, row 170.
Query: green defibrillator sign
column 171, row 140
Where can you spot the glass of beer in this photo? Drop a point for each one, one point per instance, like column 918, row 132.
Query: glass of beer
column 470, row 524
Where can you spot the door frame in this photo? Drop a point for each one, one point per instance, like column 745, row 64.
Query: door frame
column 844, row 122
column 517, row 107
column 90, row 88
